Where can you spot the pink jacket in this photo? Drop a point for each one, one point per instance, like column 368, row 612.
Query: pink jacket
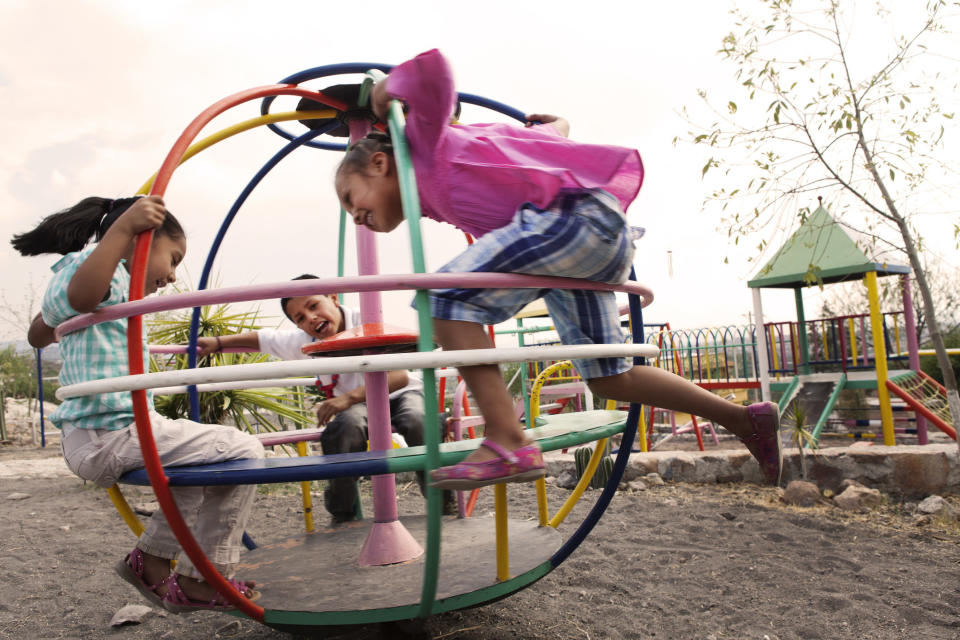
column 476, row 176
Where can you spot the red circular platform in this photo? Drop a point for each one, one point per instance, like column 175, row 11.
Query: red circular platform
column 373, row 337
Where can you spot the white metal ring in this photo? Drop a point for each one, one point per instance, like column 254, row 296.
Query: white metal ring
column 353, row 364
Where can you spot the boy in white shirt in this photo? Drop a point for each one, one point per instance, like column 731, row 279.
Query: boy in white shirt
column 344, row 411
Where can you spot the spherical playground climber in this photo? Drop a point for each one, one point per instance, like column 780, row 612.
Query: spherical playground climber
column 405, row 568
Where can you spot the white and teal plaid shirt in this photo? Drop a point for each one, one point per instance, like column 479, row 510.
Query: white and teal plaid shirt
column 94, row 353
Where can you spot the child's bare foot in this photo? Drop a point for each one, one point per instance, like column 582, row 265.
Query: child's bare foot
column 201, row 590
column 151, row 575
column 186, row 594
column 510, row 439
column 147, row 573
column 739, row 423
column 155, row 569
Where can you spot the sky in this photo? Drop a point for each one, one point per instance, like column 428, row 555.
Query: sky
column 94, row 93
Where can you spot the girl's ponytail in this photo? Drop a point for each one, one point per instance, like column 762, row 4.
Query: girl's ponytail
column 70, row 230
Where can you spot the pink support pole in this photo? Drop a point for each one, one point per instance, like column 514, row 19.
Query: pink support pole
column 456, row 411
column 388, row 542
column 910, row 326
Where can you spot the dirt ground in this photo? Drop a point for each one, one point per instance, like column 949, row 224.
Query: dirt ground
column 675, row 561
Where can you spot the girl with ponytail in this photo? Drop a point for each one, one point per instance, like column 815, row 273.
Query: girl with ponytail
column 98, row 433
column 70, row 229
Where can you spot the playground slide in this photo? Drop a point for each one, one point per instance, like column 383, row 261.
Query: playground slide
column 815, row 396
column 925, row 396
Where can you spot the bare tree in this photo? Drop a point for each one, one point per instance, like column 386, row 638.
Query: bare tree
column 16, row 317
column 859, row 121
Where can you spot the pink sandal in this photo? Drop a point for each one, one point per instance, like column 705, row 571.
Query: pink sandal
column 176, row 601
column 764, row 442
column 131, row 570
column 522, row 465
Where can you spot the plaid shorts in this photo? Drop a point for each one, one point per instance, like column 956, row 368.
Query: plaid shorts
column 581, row 234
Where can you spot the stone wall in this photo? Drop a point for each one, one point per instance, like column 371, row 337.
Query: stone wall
column 910, row 470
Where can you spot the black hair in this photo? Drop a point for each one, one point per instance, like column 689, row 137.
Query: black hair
column 69, row 230
column 284, row 301
column 357, row 157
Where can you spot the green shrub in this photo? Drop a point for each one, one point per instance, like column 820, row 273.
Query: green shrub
column 250, row 409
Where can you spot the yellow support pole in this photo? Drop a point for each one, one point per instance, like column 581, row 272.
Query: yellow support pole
column 585, row 479
column 880, row 359
column 853, row 339
column 534, row 411
column 542, row 510
column 503, row 545
column 240, row 127
column 123, row 508
column 542, row 513
column 773, row 349
column 794, row 347
column 305, row 492
column 826, row 347
column 641, row 429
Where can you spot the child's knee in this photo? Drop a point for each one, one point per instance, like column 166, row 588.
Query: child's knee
column 410, row 426
column 353, row 419
column 246, row 446
column 603, row 384
column 255, row 449
column 441, row 328
column 343, row 436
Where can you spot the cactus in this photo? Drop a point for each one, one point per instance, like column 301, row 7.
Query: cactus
column 582, row 458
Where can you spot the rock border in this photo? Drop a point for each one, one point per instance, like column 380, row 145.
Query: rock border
column 909, row 470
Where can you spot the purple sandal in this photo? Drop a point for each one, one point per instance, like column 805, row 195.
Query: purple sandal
column 131, row 570
column 764, row 442
column 176, row 601
column 522, row 465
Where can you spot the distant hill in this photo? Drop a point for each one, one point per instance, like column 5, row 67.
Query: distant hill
column 50, row 354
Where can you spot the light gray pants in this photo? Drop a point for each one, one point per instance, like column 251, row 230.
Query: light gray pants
column 216, row 515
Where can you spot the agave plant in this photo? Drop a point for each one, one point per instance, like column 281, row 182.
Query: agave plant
column 253, row 410
column 801, row 436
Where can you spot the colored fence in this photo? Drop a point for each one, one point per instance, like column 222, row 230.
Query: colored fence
column 726, row 356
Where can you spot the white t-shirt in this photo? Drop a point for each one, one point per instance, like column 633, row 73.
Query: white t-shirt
column 286, row 344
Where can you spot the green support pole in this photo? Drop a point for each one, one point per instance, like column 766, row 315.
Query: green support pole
column 804, row 363
column 785, row 398
column 524, row 378
column 341, row 250
column 411, row 209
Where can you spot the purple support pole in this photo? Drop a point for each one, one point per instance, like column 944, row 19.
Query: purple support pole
column 388, row 542
column 910, row 326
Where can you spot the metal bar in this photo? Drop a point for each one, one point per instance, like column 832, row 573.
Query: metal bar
column 918, row 407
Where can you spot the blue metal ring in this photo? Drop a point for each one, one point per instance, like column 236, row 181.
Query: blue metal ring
column 194, row 397
column 623, row 456
column 363, row 67
column 312, row 74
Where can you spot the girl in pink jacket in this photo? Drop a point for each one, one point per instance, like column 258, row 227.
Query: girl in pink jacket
column 538, row 204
